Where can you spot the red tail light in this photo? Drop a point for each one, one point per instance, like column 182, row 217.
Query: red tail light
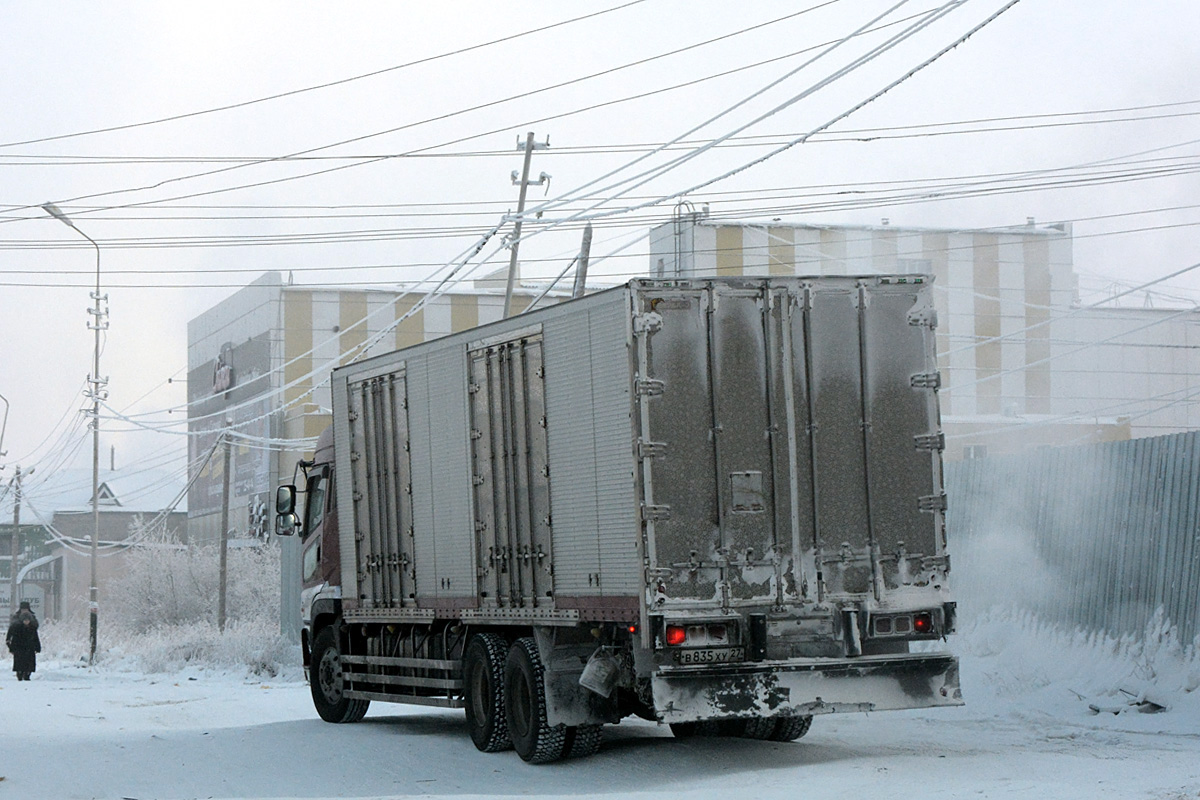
column 676, row 635
column 923, row 623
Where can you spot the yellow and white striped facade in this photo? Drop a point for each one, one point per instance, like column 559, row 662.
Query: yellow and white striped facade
column 310, row 331
column 988, row 283
column 324, row 328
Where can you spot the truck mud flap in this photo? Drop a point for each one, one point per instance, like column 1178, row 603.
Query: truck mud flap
column 809, row 686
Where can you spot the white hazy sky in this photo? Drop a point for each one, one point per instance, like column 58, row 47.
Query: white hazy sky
column 175, row 242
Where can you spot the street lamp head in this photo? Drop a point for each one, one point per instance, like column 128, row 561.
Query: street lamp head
column 57, row 213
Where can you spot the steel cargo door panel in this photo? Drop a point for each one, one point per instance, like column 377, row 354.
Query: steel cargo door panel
column 510, row 474
column 787, row 347
column 676, row 444
column 838, row 446
column 903, row 445
column 742, row 433
column 382, row 492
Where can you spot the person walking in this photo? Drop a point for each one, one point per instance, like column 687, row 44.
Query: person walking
column 23, row 641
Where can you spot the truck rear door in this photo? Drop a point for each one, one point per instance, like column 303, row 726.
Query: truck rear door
column 787, row 438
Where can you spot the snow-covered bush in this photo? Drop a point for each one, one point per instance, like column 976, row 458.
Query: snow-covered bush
column 165, row 583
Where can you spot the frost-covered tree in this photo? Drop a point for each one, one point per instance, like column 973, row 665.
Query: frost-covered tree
column 166, row 583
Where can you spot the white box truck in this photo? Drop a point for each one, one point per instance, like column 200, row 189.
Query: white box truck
column 716, row 504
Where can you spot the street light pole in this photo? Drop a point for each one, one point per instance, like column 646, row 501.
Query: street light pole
column 97, row 393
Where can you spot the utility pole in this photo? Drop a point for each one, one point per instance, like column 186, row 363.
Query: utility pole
column 524, row 183
column 224, row 545
column 96, row 392
column 585, row 250
column 16, row 543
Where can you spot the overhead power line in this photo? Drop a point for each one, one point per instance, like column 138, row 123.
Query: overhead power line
column 340, row 82
column 1022, row 122
column 416, row 123
column 391, row 283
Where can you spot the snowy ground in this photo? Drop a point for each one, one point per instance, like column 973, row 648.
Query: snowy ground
column 1026, row 732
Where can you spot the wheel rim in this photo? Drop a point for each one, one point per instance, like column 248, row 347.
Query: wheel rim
column 329, row 676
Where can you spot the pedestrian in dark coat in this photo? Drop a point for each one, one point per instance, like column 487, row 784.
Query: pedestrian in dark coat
column 23, row 641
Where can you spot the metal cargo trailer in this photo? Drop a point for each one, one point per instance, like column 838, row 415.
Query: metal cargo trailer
column 713, row 503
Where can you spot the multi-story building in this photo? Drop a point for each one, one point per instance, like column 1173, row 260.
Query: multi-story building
column 260, row 360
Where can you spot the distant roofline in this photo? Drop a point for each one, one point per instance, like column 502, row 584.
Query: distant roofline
column 1056, row 229
column 529, row 287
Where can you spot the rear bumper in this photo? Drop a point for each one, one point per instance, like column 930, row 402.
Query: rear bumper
column 806, row 686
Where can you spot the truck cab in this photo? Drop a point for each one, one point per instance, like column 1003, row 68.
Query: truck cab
column 315, row 521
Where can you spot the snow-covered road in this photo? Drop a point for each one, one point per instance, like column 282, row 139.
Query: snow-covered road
column 75, row 733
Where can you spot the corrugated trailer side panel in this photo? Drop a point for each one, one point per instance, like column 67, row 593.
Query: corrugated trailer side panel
column 443, row 458
column 590, row 438
column 572, row 449
column 621, row 570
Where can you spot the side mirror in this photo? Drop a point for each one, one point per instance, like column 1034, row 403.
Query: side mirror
column 286, row 524
column 285, row 500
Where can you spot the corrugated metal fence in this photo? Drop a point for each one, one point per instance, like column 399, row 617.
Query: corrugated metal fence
column 1098, row 536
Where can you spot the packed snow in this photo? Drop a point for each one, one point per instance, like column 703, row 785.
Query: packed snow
column 208, row 729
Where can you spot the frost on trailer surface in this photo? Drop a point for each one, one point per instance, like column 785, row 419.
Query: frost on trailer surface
column 810, row 408
column 683, row 499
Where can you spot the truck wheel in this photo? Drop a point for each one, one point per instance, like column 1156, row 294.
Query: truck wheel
column 689, row 730
column 525, row 706
column 759, row 728
column 789, row 729
column 582, row 741
column 483, row 674
column 326, row 681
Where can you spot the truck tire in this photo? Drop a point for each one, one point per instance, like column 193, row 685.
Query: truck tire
column 789, row 729
column 326, row 681
column 525, row 706
column 690, row 730
column 483, row 677
column 582, row 741
column 760, row 728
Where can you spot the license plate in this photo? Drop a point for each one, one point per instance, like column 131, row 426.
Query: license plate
column 710, row 655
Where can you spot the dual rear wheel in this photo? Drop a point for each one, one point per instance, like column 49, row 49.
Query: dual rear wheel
column 506, row 703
